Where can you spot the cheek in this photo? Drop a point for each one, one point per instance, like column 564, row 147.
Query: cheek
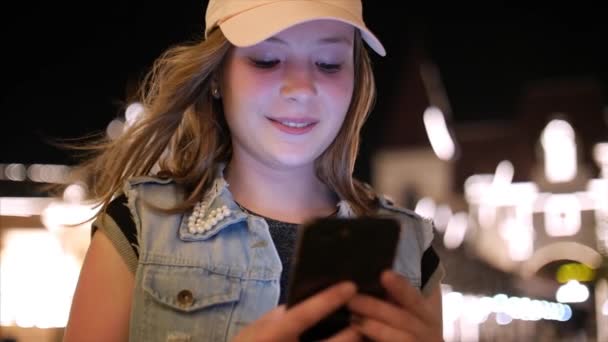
column 240, row 94
column 251, row 83
column 249, row 92
column 339, row 95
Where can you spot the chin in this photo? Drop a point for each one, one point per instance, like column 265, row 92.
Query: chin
column 295, row 159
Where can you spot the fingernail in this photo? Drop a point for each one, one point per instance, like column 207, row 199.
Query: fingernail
column 348, row 288
column 391, row 276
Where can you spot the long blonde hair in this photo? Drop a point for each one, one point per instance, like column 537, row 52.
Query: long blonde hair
column 185, row 132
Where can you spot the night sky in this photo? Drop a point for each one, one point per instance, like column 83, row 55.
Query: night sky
column 67, row 68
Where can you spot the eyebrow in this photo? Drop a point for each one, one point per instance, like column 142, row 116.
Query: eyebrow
column 322, row 41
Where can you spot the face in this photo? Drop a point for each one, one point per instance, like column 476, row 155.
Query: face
column 285, row 99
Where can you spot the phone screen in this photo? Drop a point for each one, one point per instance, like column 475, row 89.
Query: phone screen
column 330, row 250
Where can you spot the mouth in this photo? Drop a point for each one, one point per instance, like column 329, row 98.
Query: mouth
column 295, row 126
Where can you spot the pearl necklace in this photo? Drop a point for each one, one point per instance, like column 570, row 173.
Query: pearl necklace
column 199, row 224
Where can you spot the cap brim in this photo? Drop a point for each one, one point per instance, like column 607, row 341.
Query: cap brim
column 262, row 22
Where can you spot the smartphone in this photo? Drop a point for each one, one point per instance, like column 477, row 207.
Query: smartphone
column 330, row 250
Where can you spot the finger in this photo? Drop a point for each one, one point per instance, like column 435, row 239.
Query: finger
column 274, row 314
column 387, row 313
column 349, row 334
column 378, row 331
column 305, row 314
column 399, row 288
column 405, row 295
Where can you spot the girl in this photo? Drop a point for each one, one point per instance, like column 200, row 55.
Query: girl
column 253, row 131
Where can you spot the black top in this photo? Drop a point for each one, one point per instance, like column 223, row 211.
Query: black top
column 283, row 235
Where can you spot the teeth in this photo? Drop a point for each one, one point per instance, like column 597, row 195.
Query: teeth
column 294, row 124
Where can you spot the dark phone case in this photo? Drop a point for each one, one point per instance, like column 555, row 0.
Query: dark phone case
column 330, row 250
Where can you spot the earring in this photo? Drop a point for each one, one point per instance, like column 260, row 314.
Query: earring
column 215, row 92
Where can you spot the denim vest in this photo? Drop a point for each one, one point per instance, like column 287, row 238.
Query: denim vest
column 206, row 287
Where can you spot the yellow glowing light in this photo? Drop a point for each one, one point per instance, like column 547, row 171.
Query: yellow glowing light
column 574, row 271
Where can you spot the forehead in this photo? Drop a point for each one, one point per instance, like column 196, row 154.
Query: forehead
column 317, row 32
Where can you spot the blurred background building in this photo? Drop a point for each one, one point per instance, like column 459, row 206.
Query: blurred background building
column 492, row 122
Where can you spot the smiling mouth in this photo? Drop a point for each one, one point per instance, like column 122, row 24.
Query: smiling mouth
column 293, row 126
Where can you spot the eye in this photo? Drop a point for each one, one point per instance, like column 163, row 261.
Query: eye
column 264, row 64
column 329, row 67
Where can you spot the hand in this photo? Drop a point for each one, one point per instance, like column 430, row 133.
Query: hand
column 407, row 316
column 280, row 324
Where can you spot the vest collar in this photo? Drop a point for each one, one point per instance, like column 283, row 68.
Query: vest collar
column 218, row 210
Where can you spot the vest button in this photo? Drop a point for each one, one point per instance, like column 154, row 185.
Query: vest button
column 185, row 298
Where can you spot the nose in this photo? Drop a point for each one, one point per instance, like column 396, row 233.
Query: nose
column 298, row 83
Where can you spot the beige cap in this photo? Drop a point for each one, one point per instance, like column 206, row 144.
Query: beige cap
column 248, row 22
